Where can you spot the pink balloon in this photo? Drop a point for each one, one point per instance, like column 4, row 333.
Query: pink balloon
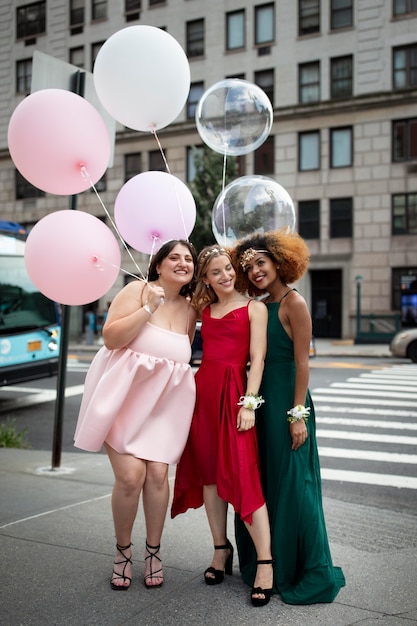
column 53, row 134
column 72, row 257
column 153, row 207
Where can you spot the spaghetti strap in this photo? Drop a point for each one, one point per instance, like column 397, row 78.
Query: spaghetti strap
column 285, row 295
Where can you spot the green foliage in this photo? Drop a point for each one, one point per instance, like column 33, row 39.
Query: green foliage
column 10, row 437
column 206, row 186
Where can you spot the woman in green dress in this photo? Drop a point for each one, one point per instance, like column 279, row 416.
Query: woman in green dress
column 303, row 569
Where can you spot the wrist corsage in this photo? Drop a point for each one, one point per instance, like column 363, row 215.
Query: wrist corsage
column 251, row 401
column 297, row 413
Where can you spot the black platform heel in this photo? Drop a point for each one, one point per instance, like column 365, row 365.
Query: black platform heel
column 267, row 593
column 116, row 576
column 218, row 574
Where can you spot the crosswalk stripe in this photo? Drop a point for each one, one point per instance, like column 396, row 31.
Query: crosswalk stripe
column 368, row 455
column 364, row 423
column 325, row 408
column 369, row 478
column 362, row 391
column 351, row 400
column 355, row 436
column 377, row 384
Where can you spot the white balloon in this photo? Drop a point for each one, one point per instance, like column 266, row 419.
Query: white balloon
column 142, row 77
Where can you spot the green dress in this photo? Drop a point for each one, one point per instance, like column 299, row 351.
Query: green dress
column 303, row 568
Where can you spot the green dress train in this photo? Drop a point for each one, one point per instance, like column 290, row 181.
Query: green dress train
column 303, row 569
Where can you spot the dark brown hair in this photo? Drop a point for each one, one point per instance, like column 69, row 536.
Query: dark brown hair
column 163, row 252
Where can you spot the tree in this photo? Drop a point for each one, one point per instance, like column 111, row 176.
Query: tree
column 205, row 187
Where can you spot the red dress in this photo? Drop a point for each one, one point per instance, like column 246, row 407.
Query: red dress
column 216, row 453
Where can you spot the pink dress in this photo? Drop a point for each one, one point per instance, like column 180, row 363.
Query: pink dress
column 139, row 399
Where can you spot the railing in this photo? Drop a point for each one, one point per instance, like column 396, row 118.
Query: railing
column 377, row 328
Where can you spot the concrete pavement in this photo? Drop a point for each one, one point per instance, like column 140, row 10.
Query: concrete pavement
column 57, row 547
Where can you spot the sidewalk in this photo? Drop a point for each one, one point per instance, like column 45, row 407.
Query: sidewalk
column 57, row 543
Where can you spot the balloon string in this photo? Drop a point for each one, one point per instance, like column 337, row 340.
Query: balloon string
column 223, row 211
column 154, row 240
column 86, row 176
column 98, row 259
column 175, row 188
column 153, row 131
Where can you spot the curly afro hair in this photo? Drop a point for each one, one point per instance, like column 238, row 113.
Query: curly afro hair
column 286, row 248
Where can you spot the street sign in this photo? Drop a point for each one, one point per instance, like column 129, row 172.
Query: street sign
column 51, row 73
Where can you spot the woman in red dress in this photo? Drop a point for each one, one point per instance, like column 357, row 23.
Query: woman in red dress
column 220, row 462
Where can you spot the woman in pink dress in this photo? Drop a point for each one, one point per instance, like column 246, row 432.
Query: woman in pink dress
column 220, row 462
column 139, row 398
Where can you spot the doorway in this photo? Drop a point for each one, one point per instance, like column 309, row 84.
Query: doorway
column 326, row 299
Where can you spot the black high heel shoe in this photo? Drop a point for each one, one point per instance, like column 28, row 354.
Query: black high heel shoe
column 125, row 561
column 218, row 574
column 157, row 573
column 267, row 593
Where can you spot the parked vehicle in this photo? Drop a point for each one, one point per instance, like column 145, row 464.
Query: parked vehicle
column 404, row 344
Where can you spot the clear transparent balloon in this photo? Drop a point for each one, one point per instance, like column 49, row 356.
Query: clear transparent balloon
column 234, row 117
column 251, row 204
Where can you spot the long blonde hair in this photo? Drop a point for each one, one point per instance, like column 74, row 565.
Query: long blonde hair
column 204, row 294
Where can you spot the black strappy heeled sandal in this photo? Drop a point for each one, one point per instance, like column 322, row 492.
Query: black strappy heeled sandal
column 218, row 574
column 153, row 574
column 116, row 576
column 267, row 593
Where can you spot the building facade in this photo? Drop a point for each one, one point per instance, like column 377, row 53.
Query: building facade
column 342, row 78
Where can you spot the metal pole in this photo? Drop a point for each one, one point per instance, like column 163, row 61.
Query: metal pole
column 358, row 280
column 77, row 86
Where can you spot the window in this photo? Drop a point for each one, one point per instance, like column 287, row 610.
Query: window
column 196, row 91
column 76, row 57
column 404, row 140
column 31, row 20
column 195, row 38
column 24, row 190
column 402, row 7
column 264, row 24
column 404, row 214
column 77, row 12
column 309, row 219
column 156, row 161
column 98, row 9
column 309, row 82
column 95, row 48
column 309, row 151
column 132, row 10
column 341, row 217
column 405, row 67
column 341, row 14
column 23, row 76
column 235, row 30
column 192, row 152
column 133, row 165
column 308, row 17
column 341, row 147
column 265, row 80
column 341, row 77
column 264, row 161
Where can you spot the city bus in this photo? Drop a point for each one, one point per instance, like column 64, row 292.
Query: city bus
column 29, row 321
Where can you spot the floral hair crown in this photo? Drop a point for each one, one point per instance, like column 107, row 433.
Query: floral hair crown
column 248, row 255
column 208, row 253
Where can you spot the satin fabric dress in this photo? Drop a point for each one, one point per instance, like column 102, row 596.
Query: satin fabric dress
column 216, row 453
column 303, row 568
column 140, row 399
